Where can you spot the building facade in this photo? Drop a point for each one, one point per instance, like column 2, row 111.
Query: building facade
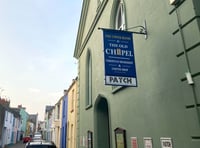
column 30, row 126
column 72, row 114
column 57, row 122
column 63, row 137
column 164, row 107
column 2, row 117
column 48, row 123
column 33, row 118
column 16, row 127
column 8, row 127
column 24, row 118
column 10, row 124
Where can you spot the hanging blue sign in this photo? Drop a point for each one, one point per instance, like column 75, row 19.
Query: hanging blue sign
column 119, row 58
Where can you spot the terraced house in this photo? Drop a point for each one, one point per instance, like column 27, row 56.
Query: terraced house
column 10, row 124
column 57, row 122
column 162, row 109
column 72, row 114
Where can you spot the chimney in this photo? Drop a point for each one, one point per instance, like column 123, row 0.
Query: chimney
column 5, row 102
column 20, row 107
column 65, row 92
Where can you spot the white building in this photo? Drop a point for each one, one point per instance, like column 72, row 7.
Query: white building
column 8, row 127
column 48, row 123
column 16, row 129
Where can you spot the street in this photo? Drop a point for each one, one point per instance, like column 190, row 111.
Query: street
column 17, row 145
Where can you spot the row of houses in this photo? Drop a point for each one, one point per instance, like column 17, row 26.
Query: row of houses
column 61, row 118
column 15, row 123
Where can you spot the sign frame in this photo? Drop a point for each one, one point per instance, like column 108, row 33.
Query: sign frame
column 120, row 138
column 148, row 143
column 166, row 142
column 119, row 60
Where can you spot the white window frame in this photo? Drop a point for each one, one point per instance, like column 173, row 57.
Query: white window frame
column 120, row 14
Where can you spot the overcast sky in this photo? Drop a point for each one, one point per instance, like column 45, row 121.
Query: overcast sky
column 37, row 41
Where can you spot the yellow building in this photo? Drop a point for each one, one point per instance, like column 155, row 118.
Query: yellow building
column 72, row 114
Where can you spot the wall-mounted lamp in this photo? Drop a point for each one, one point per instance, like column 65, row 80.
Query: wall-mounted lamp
column 173, row 2
column 189, row 78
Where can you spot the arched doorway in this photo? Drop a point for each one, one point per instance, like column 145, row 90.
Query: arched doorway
column 101, row 122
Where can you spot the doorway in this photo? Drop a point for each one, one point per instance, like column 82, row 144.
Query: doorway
column 101, row 122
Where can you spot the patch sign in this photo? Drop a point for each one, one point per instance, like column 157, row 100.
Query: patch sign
column 115, row 80
column 119, row 61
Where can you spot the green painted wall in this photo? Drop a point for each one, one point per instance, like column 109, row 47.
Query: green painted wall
column 24, row 115
column 163, row 104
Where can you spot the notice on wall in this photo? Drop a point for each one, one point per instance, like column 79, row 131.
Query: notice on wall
column 120, row 140
column 134, row 143
column 166, row 142
column 148, row 142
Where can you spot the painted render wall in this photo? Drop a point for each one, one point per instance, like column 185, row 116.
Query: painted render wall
column 63, row 137
column 72, row 114
column 24, row 115
column 163, row 104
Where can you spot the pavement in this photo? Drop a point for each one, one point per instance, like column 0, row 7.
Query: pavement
column 17, row 145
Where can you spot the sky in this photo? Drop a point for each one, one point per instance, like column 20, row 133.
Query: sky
column 37, row 41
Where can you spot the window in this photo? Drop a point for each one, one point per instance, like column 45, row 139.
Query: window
column 6, row 115
column 72, row 101
column 72, row 135
column 58, row 111
column 120, row 16
column 11, row 118
column 63, row 111
column 88, row 79
column 119, row 25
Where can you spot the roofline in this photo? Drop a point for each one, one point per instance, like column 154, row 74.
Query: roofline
column 80, row 43
column 81, row 28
